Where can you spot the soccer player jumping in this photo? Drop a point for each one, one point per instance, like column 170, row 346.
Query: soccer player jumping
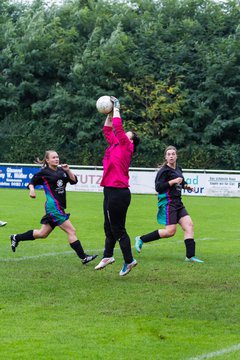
column 115, row 181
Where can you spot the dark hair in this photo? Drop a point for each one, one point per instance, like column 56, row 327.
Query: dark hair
column 136, row 140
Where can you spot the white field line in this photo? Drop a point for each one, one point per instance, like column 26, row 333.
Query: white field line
column 35, row 256
column 159, row 243
column 200, row 357
column 217, row 353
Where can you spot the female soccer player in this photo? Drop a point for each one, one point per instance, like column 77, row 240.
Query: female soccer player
column 116, row 191
column 171, row 211
column 54, row 179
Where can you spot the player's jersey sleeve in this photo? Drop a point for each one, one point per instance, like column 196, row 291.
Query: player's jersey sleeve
column 72, row 182
column 109, row 135
column 37, row 178
column 161, row 181
column 119, row 131
column 181, row 175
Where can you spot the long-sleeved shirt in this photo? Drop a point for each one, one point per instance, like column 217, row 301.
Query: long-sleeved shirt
column 165, row 191
column 117, row 157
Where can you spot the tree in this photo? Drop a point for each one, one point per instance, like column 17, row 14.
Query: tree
column 175, row 69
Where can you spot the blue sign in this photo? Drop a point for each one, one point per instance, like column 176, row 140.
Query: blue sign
column 16, row 176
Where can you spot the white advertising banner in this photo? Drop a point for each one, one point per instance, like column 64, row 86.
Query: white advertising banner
column 214, row 184
column 143, row 182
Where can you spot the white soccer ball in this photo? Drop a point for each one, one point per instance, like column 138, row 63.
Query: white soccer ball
column 104, row 105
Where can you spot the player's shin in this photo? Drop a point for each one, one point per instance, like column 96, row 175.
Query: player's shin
column 28, row 235
column 77, row 247
column 190, row 248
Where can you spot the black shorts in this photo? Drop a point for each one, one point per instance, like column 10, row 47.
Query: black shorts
column 171, row 213
column 54, row 220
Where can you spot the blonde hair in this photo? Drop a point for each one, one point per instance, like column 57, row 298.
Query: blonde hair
column 46, row 157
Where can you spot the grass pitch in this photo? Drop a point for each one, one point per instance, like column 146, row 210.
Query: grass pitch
column 53, row 307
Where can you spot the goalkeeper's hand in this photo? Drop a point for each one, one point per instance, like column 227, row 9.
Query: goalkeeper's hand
column 116, row 102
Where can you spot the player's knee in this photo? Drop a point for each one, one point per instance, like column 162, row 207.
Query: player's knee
column 118, row 232
column 43, row 234
column 192, row 227
column 189, row 227
column 171, row 232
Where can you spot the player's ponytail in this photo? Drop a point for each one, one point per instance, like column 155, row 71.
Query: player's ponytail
column 44, row 161
column 136, row 140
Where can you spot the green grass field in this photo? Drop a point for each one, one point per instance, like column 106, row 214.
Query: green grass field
column 53, row 307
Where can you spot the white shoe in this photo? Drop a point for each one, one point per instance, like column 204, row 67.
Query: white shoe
column 127, row 268
column 104, row 262
column 194, row 259
column 3, row 223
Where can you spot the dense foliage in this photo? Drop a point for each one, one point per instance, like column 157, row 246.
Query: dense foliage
column 174, row 65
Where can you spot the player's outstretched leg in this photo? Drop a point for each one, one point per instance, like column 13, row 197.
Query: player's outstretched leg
column 16, row 238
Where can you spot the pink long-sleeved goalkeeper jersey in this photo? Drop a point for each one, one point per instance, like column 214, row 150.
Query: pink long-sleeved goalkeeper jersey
column 117, row 156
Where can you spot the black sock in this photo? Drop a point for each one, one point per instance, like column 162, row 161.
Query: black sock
column 28, row 235
column 150, row 237
column 76, row 246
column 190, row 248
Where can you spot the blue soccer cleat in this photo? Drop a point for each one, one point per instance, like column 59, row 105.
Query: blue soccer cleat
column 127, row 267
column 194, row 259
column 138, row 244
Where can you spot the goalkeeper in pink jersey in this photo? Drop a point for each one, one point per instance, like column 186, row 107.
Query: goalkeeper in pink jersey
column 117, row 196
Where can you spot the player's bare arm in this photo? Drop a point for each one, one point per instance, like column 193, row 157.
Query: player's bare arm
column 66, row 168
column 32, row 193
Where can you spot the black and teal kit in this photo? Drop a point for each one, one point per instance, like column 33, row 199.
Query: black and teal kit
column 54, row 183
column 170, row 206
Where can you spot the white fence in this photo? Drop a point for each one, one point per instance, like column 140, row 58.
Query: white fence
column 142, row 180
